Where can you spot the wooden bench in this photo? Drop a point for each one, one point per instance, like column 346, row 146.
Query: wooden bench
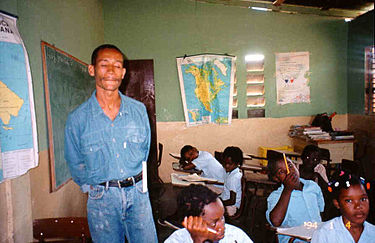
column 71, row 229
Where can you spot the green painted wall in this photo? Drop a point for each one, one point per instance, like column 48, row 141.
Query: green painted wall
column 361, row 35
column 75, row 26
column 165, row 29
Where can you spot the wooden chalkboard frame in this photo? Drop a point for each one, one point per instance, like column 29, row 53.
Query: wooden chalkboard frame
column 51, row 150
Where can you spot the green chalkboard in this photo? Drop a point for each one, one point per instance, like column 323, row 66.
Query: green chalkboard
column 67, row 84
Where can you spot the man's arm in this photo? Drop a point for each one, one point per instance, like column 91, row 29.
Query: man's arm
column 72, row 153
column 277, row 215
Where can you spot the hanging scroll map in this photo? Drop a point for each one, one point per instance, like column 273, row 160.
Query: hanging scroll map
column 206, row 83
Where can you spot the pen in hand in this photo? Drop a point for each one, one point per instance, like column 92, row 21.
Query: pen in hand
column 286, row 164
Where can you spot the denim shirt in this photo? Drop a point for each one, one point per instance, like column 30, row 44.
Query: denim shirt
column 98, row 149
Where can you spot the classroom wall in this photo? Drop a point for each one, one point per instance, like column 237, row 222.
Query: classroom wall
column 360, row 36
column 165, row 29
column 162, row 30
column 75, row 26
column 248, row 134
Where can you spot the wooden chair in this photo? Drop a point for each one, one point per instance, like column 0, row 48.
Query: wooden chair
column 72, row 229
column 160, row 155
column 239, row 219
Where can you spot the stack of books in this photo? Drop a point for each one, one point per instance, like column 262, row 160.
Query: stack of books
column 342, row 135
column 309, row 132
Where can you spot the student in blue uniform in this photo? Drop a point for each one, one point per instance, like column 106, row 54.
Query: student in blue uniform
column 203, row 161
column 296, row 200
column 350, row 197
column 231, row 196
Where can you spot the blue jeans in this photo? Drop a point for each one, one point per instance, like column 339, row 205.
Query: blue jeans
column 114, row 213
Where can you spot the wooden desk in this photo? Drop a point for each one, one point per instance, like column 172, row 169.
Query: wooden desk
column 176, row 167
column 338, row 149
column 177, row 181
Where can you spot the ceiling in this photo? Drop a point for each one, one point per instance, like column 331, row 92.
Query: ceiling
column 333, row 8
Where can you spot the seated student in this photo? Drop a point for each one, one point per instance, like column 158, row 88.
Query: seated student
column 296, row 200
column 350, row 197
column 203, row 161
column 231, row 196
column 311, row 168
column 203, row 214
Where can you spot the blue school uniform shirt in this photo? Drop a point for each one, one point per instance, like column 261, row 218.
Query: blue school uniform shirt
column 334, row 231
column 304, row 206
column 232, row 182
column 210, row 166
column 98, row 149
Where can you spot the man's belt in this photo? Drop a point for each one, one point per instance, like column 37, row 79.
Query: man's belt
column 124, row 183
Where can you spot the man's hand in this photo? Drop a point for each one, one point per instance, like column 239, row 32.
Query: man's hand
column 198, row 229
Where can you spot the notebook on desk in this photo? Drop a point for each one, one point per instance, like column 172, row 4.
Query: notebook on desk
column 178, row 181
column 303, row 232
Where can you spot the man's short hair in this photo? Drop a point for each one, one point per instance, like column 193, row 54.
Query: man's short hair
column 235, row 153
column 105, row 46
column 192, row 199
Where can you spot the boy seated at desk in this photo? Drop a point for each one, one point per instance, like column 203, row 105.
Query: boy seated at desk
column 231, row 196
column 204, row 221
column 311, row 168
column 296, row 200
column 193, row 159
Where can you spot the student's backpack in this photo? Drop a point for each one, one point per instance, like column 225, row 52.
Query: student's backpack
column 323, row 121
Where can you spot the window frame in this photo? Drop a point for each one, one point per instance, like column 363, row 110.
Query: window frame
column 370, row 80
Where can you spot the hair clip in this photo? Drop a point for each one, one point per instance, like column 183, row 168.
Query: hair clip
column 368, row 185
column 337, row 184
column 347, row 184
column 330, row 189
column 342, row 173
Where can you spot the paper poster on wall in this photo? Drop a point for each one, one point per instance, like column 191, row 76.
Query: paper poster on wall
column 206, row 83
column 292, row 77
column 18, row 135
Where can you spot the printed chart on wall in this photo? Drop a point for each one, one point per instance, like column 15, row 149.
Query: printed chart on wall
column 18, row 136
column 206, row 83
column 292, row 77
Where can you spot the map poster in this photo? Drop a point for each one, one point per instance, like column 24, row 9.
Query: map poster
column 206, row 83
column 18, row 135
column 292, row 77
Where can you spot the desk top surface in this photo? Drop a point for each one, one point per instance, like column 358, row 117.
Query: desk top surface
column 324, row 141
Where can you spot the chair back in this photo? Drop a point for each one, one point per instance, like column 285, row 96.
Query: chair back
column 71, row 229
column 160, row 153
column 243, row 200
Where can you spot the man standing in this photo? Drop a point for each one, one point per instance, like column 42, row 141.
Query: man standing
column 106, row 140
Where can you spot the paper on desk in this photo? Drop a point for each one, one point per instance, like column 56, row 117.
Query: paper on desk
column 303, row 231
column 175, row 178
column 195, row 177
